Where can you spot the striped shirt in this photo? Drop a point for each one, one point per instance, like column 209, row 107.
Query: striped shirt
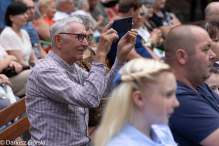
column 58, row 97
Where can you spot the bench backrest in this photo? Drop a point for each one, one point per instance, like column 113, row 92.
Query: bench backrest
column 8, row 114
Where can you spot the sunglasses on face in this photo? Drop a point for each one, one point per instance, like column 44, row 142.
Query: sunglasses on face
column 79, row 36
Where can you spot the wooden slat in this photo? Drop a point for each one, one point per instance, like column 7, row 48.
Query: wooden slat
column 16, row 129
column 12, row 111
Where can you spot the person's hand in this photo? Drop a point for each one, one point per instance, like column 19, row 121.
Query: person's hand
column 156, row 35
column 16, row 65
column 100, row 18
column 4, row 80
column 106, row 38
column 126, row 43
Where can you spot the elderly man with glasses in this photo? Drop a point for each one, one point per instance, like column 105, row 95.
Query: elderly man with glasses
column 59, row 93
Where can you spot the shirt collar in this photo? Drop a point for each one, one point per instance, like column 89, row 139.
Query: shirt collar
column 59, row 60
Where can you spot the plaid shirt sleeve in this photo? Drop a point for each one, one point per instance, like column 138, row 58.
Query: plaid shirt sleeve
column 75, row 90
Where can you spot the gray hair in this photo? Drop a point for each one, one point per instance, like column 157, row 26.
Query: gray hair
column 79, row 4
column 60, row 26
column 145, row 10
column 59, row 2
column 85, row 20
column 145, row 2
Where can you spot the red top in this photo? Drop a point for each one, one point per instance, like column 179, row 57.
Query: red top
column 50, row 22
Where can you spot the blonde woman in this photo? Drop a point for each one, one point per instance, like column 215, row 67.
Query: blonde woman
column 141, row 103
column 47, row 10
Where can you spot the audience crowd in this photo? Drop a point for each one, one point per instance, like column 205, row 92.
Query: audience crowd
column 160, row 79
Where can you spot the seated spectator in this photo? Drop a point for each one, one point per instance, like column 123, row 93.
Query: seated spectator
column 96, row 10
column 15, row 40
column 211, row 9
column 18, row 81
column 62, row 91
column 90, row 51
column 151, row 40
column 215, row 18
column 139, row 116
column 47, row 9
column 213, row 80
column 154, row 36
column 130, row 8
column 36, row 45
column 162, row 18
column 196, row 121
column 149, row 6
column 82, row 8
column 65, row 9
column 212, row 27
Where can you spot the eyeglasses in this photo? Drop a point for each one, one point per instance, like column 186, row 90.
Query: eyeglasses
column 80, row 36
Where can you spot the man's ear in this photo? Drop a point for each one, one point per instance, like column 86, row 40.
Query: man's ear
column 57, row 40
column 138, row 99
column 182, row 56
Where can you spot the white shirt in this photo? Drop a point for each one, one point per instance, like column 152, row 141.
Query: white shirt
column 143, row 33
column 60, row 15
column 80, row 12
column 11, row 41
column 130, row 136
column 2, row 53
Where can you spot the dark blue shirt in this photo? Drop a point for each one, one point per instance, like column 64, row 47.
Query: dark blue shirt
column 196, row 117
column 34, row 38
column 140, row 49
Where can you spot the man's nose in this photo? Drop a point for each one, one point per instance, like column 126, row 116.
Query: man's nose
column 212, row 55
column 85, row 42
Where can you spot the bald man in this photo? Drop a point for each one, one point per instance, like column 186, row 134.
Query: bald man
column 211, row 9
column 196, row 121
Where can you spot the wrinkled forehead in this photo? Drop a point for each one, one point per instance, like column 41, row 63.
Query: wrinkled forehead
column 75, row 27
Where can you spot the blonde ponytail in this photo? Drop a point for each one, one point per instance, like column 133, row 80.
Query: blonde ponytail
column 120, row 108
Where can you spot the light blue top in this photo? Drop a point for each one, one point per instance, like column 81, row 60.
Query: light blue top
column 130, row 136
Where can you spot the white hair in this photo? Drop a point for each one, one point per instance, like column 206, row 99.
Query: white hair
column 79, row 4
column 61, row 25
column 145, row 10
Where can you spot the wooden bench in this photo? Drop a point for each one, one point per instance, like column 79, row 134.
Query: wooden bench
column 17, row 128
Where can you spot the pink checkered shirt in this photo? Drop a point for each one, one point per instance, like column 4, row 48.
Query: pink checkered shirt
column 58, row 97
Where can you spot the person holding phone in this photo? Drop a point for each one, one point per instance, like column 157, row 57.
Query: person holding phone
column 59, row 93
column 139, row 116
column 130, row 8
